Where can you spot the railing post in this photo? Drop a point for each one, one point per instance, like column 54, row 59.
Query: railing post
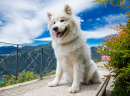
column 41, row 62
column 16, row 64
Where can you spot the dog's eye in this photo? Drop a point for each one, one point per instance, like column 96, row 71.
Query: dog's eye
column 62, row 20
column 54, row 22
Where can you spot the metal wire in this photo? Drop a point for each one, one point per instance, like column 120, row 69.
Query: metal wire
column 34, row 59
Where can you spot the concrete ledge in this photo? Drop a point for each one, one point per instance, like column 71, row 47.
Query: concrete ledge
column 62, row 89
column 24, row 83
column 40, row 88
column 102, row 90
column 19, row 84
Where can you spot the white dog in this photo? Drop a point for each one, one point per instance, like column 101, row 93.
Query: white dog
column 72, row 53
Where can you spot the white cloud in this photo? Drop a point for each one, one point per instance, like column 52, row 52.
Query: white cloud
column 81, row 20
column 98, row 19
column 99, row 33
column 112, row 20
column 45, row 39
column 1, row 23
column 89, row 20
column 93, row 45
column 26, row 18
column 115, row 19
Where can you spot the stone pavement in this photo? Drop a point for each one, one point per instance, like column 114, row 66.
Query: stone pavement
column 33, row 88
column 20, row 89
column 108, row 88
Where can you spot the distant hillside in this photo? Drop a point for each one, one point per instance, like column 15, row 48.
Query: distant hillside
column 36, row 47
column 7, row 49
column 94, row 54
column 31, row 52
column 10, row 49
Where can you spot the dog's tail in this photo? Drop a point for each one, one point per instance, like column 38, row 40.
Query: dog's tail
column 96, row 76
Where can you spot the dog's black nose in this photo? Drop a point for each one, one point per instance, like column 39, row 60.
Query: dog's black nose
column 55, row 28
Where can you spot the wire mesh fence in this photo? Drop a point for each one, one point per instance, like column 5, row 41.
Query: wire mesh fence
column 20, row 63
column 23, row 63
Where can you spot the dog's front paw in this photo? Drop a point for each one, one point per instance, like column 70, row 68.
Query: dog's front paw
column 74, row 89
column 52, row 84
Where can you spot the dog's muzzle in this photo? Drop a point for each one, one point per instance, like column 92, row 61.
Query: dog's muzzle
column 59, row 34
column 55, row 28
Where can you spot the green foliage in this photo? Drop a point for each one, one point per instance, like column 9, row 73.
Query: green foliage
column 26, row 76
column 51, row 73
column 118, row 4
column 111, row 1
column 121, row 89
column 96, row 60
column 118, row 48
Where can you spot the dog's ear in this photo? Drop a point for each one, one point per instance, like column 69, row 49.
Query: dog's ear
column 49, row 15
column 67, row 9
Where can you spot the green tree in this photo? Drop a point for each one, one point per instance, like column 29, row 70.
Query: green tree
column 21, row 77
column 118, row 48
column 120, row 3
column 26, row 76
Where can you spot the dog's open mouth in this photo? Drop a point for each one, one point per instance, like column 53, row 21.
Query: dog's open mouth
column 60, row 34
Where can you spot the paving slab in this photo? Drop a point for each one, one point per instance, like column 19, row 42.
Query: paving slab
column 20, row 89
column 62, row 89
column 39, row 88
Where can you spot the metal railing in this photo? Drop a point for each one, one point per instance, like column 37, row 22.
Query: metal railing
column 23, row 59
column 20, row 59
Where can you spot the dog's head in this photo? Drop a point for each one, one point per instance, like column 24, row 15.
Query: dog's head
column 63, row 26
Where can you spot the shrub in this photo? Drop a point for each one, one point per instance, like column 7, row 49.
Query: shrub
column 26, row 76
column 118, row 48
column 51, row 73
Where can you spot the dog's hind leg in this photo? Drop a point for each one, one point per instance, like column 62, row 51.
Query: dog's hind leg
column 89, row 74
column 96, row 78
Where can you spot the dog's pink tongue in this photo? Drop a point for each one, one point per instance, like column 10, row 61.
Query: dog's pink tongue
column 58, row 35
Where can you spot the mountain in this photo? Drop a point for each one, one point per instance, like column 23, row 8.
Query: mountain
column 26, row 55
column 94, row 54
column 32, row 54
column 7, row 49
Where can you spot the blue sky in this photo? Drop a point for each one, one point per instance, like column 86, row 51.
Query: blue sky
column 25, row 21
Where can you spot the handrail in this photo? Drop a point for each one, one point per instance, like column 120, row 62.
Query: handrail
column 39, row 60
column 35, row 62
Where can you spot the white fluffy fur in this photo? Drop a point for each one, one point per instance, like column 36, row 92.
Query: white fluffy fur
column 72, row 53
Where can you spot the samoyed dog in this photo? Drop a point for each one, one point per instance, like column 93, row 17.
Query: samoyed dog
column 72, row 53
